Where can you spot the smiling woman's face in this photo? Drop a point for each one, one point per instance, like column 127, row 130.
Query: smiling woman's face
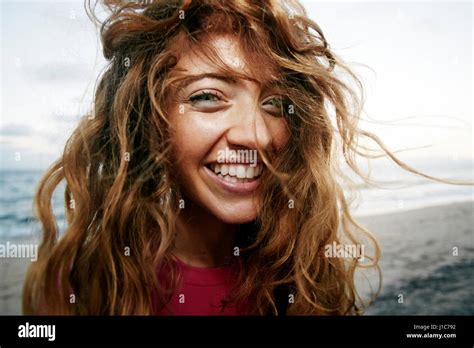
column 212, row 115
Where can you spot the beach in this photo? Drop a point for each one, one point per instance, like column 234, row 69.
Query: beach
column 428, row 258
column 418, row 261
column 12, row 275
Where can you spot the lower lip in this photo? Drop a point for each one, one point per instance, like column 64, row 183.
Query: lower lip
column 237, row 187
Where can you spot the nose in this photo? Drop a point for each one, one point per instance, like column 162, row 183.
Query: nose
column 249, row 128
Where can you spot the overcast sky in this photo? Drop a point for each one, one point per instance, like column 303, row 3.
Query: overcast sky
column 415, row 59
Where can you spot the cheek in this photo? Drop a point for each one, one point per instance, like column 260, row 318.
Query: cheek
column 183, row 144
column 279, row 132
column 192, row 138
column 187, row 154
column 185, row 157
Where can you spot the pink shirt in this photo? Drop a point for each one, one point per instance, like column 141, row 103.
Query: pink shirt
column 202, row 290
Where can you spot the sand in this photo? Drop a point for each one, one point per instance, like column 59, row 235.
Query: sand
column 12, row 275
column 414, row 243
column 417, row 242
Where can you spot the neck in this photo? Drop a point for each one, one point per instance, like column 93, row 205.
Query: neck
column 201, row 239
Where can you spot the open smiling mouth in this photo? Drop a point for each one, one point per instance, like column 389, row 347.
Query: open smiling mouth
column 236, row 173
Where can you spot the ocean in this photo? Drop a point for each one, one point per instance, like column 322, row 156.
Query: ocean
column 411, row 266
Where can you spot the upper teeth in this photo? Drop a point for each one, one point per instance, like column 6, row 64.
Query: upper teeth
column 240, row 171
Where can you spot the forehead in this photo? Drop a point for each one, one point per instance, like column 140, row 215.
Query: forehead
column 230, row 57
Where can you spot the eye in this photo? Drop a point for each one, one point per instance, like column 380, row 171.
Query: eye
column 204, row 96
column 276, row 105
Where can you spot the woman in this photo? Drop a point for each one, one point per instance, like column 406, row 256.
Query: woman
column 206, row 179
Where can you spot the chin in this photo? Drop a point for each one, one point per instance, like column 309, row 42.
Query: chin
column 236, row 216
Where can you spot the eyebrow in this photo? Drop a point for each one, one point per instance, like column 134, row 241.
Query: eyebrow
column 180, row 83
column 216, row 76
